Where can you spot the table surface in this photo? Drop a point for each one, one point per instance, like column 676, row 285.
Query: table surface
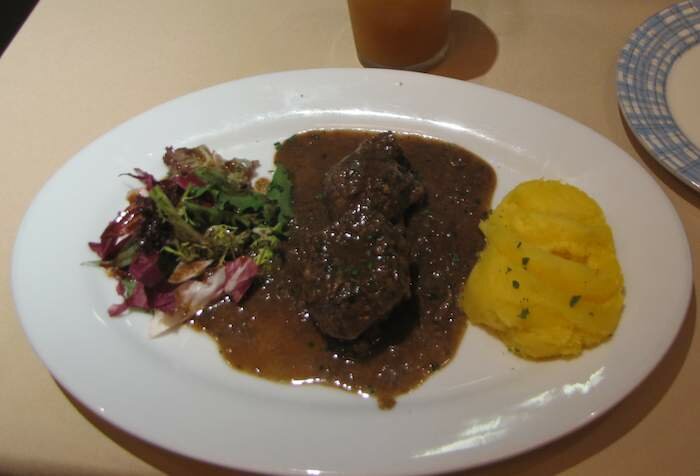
column 78, row 68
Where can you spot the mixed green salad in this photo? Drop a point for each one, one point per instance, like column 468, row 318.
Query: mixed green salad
column 201, row 233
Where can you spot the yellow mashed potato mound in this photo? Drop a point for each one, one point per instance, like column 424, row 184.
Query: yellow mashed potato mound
column 548, row 282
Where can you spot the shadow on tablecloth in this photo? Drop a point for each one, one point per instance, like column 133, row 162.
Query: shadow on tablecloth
column 473, row 48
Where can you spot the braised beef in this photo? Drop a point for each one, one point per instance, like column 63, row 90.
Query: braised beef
column 357, row 269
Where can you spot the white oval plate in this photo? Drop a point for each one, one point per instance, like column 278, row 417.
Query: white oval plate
column 486, row 405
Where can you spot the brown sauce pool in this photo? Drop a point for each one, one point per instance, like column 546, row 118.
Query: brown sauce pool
column 268, row 335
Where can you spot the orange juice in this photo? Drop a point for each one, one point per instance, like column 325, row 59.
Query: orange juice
column 405, row 34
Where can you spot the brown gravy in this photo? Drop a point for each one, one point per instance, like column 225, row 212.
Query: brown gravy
column 267, row 335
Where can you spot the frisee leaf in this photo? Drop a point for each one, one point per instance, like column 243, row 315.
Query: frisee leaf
column 218, row 180
column 182, row 229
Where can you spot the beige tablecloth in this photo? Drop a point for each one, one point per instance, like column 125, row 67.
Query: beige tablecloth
column 78, row 68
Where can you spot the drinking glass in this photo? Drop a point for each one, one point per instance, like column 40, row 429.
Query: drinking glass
column 402, row 34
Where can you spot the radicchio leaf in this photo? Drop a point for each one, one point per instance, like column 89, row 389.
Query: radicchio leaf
column 185, row 180
column 147, row 179
column 239, row 276
column 164, row 301
column 144, row 268
column 133, row 297
column 184, row 271
column 233, row 278
column 117, row 309
column 119, row 230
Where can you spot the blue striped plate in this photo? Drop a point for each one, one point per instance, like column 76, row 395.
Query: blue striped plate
column 642, row 71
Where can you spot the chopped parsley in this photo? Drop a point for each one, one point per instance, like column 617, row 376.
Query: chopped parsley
column 574, row 300
column 516, row 284
column 524, row 312
column 525, row 261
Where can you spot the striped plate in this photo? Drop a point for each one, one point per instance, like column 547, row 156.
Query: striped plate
column 642, row 70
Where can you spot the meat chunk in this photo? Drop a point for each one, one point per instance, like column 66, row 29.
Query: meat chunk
column 375, row 178
column 363, row 271
column 361, row 265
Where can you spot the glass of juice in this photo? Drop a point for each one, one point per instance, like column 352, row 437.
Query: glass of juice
column 402, row 34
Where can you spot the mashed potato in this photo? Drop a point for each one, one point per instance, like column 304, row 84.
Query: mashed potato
column 548, row 283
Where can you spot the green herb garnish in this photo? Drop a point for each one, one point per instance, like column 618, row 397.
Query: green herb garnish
column 280, row 191
column 222, row 217
column 183, row 230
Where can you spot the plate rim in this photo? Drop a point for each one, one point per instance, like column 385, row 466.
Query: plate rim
column 522, row 101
